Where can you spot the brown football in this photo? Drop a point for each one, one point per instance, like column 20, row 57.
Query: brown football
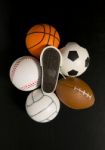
column 75, row 93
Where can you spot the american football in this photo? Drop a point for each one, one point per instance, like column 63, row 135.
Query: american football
column 75, row 93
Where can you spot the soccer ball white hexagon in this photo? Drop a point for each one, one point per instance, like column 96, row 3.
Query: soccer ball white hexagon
column 75, row 60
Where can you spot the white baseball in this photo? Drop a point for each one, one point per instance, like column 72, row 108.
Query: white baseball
column 25, row 73
column 42, row 108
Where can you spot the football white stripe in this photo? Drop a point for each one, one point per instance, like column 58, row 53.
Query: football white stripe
column 83, row 92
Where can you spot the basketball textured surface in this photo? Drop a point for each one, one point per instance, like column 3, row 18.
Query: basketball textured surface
column 40, row 36
column 75, row 93
column 42, row 108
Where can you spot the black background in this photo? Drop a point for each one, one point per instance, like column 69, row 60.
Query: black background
column 84, row 24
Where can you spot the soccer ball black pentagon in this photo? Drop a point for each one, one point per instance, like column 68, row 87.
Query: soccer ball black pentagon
column 75, row 60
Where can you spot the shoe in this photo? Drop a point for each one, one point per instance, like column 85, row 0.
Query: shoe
column 50, row 61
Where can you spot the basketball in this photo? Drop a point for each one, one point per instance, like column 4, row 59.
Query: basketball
column 42, row 108
column 40, row 36
column 75, row 93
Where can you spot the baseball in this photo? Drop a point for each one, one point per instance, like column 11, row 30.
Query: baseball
column 42, row 108
column 25, row 73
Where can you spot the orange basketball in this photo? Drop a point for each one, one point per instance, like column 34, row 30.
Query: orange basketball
column 40, row 36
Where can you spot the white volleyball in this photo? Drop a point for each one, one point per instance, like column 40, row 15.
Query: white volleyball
column 42, row 108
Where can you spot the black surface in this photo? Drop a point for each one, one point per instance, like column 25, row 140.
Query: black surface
column 82, row 130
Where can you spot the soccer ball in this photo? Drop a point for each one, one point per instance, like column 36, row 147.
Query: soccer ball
column 75, row 60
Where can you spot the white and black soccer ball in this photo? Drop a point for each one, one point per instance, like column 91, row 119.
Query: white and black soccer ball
column 75, row 60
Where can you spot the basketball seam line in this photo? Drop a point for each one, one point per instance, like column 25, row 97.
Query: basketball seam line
column 54, row 37
column 49, row 34
column 41, row 39
column 42, row 110
column 27, row 86
column 46, row 33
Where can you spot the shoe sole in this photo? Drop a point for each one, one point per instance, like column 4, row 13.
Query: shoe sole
column 50, row 61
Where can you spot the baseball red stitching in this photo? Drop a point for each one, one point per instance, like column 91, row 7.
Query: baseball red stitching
column 16, row 65
column 14, row 68
column 27, row 86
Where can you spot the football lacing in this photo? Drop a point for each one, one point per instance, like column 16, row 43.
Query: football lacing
column 83, row 92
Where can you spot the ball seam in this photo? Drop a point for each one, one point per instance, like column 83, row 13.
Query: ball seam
column 83, row 92
column 26, row 86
